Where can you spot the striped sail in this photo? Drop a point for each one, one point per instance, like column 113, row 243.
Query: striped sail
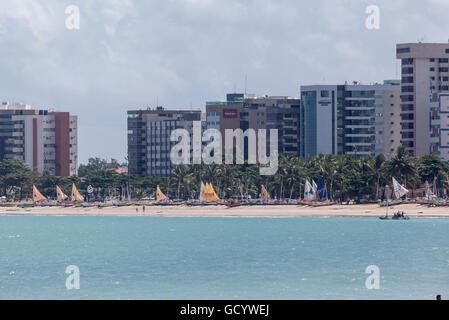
column 37, row 196
column 61, row 195
column 76, row 196
column 159, row 195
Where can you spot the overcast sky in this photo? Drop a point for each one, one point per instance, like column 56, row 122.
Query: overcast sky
column 131, row 53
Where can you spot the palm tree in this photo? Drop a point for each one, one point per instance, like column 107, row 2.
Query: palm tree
column 402, row 165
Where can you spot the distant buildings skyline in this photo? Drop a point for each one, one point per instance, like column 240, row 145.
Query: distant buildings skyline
column 353, row 119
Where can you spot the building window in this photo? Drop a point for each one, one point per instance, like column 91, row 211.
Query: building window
column 407, row 70
column 407, row 61
column 407, row 107
column 445, row 69
column 407, row 79
column 324, row 94
column 405, row 98
column 402, row 50
column 443, row 60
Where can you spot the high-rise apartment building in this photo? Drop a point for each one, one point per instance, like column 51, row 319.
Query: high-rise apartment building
column 149, row 144
column 425, row 73
column 245, row 111
column 45, row 140
column 439, row 126
column 361, row 120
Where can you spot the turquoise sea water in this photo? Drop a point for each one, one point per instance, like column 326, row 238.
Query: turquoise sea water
column 222, row 258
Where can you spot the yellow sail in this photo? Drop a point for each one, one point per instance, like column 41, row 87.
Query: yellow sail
column 37, row 196
column 159, row 195
column 265, row 194
column 209, row 193
column 61, row 195
column 76, row 196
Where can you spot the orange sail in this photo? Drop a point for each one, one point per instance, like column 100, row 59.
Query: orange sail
column 37, row 196
column 209, row 193
column 61, row 195
column 76, row 196
column 159, row 195
column 265, row 194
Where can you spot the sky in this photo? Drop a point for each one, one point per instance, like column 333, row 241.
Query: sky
column 134, row 54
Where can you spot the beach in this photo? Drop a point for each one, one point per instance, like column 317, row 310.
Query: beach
column 362, row 210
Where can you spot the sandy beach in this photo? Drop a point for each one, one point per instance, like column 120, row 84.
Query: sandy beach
column 368, row 210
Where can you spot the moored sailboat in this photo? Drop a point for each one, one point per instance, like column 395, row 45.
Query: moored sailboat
column 61, row 196
column 37, row 196
column 76, row 196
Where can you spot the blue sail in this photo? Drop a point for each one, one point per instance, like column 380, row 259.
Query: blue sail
column 322, row 192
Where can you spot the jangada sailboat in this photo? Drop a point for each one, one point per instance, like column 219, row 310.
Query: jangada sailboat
column 209, row 194
column 265, row 195
column 315, row 195
column 61, row 196
column 399, row 191
column 37, row 196
column 76, row 196
column 160, row 196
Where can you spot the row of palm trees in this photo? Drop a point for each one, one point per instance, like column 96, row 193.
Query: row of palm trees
column 344, row 177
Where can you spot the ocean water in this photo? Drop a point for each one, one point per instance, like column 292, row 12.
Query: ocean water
column 222, row 258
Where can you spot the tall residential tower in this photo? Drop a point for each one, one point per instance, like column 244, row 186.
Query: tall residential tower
column 425, row 74
column 360, row 120
column 44, row 139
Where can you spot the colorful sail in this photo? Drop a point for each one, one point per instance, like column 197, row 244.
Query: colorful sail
column 309, row 192
column 37, row 196
column 399, row 190
column 265, row 194
column 202, row 189
column 76, row 196
column 321, row 190
column 209, row 193
column 159, row 195
column 60, row 194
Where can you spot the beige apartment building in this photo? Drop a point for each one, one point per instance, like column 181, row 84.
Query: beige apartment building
column 425, row 75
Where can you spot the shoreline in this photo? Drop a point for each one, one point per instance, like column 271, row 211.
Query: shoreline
column 276, row 211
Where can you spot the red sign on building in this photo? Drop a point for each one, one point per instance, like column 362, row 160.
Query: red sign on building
column 230, row 113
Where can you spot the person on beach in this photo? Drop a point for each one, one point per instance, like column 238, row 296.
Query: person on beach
column 143, row 209
column 137, row 209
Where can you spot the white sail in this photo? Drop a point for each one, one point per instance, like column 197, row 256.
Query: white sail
column 429, row 193
column 314, row 186
column 202, row 191
column 399, row 190
column 309, row 192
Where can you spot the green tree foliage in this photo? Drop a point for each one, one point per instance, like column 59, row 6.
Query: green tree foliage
column 345, row 178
